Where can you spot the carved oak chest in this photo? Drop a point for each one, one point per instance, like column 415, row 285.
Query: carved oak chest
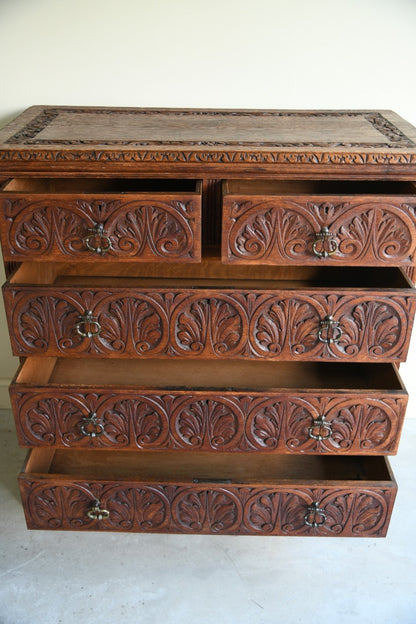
column 210, row 308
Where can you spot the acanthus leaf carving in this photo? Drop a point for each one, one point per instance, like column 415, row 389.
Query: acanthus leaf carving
column 370, row 230
column 154, row 230
column 283, row 325
column 230, row 509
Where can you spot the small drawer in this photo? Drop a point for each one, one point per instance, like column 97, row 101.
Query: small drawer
column 101, row 219
column 215, row 494
column 309, row 222
column 268, row 407
column 326, row 314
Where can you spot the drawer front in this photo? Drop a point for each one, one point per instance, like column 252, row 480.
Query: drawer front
column 369, row 231
column 339, row 511
column 95, row 228
column 362, row 325
column 296, row 421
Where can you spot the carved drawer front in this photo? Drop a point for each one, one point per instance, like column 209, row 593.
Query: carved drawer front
column 96, row 220
column 267, row 407
column 349, row 223
column 153, row 492
column 297, row 323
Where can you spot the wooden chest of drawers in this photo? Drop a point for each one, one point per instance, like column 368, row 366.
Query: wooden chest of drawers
column 210, row 308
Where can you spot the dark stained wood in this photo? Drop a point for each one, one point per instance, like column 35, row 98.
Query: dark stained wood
column 277, row 495
column 217, row 322
column 266, row 407
column 182, row 142
column 306, row 223
column 172, row 387
column 100, row 220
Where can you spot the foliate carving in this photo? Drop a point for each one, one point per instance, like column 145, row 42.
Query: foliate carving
column 366, row 230
column 207, row 421
column 208, row 152
column 214, row 323
column 377, row 324
column 135, row 228
column 211, row 157
column 209, row 511
column 229, row 509
column 27, row 136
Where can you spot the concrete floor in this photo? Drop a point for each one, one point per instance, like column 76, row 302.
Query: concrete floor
column 63, row 578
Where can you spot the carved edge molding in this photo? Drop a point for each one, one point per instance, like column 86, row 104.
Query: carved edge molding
column 211, row 157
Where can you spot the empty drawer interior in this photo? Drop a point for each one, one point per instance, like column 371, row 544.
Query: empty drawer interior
column 100, row 185
column 317, row 187
column 205, row 374
column 210, row 273
column 198, row 466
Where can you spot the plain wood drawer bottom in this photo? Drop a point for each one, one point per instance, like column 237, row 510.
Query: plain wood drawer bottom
column 207, row 494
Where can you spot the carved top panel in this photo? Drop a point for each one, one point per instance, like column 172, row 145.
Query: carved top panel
column 209, row 137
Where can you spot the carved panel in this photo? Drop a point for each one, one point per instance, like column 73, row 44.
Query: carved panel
column 230, row 509
column 215, row 324
column 285, row 422
column 140, row 228
column 392, row 135
column 281, row 230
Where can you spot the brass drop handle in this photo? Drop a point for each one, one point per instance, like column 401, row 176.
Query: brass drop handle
column 314, row 516
column 88, row 326
column 325, row 244
column 90, row 426
column 97, row 513
column 330, row 332
column 320, row 429
column 97, row 240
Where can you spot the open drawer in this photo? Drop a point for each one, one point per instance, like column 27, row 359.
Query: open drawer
column 99, row 219
column 309, row 222
column 272, row 407
column 200, row 493
column 296, row 313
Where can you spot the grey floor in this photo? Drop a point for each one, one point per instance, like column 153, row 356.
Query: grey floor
column 65, row 578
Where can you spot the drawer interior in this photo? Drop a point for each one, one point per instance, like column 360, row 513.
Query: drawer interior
column 207, row 467
column 209, row 273
column 100, row 185
column 205, row 374
column 317, row 187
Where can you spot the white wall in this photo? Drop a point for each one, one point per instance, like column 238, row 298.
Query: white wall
column 211, row 53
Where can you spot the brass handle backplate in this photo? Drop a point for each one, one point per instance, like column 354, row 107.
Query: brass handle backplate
column 314, row 516
column 330, row 332
column 320, row 429
column 97, row 513
column 325, row 244
column 88, row 326
column 97, row 240
column 90, row 426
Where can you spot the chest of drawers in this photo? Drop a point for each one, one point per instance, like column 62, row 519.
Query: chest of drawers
column 210, row 308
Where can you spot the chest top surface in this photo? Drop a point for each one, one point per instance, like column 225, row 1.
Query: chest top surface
column 84, row 138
